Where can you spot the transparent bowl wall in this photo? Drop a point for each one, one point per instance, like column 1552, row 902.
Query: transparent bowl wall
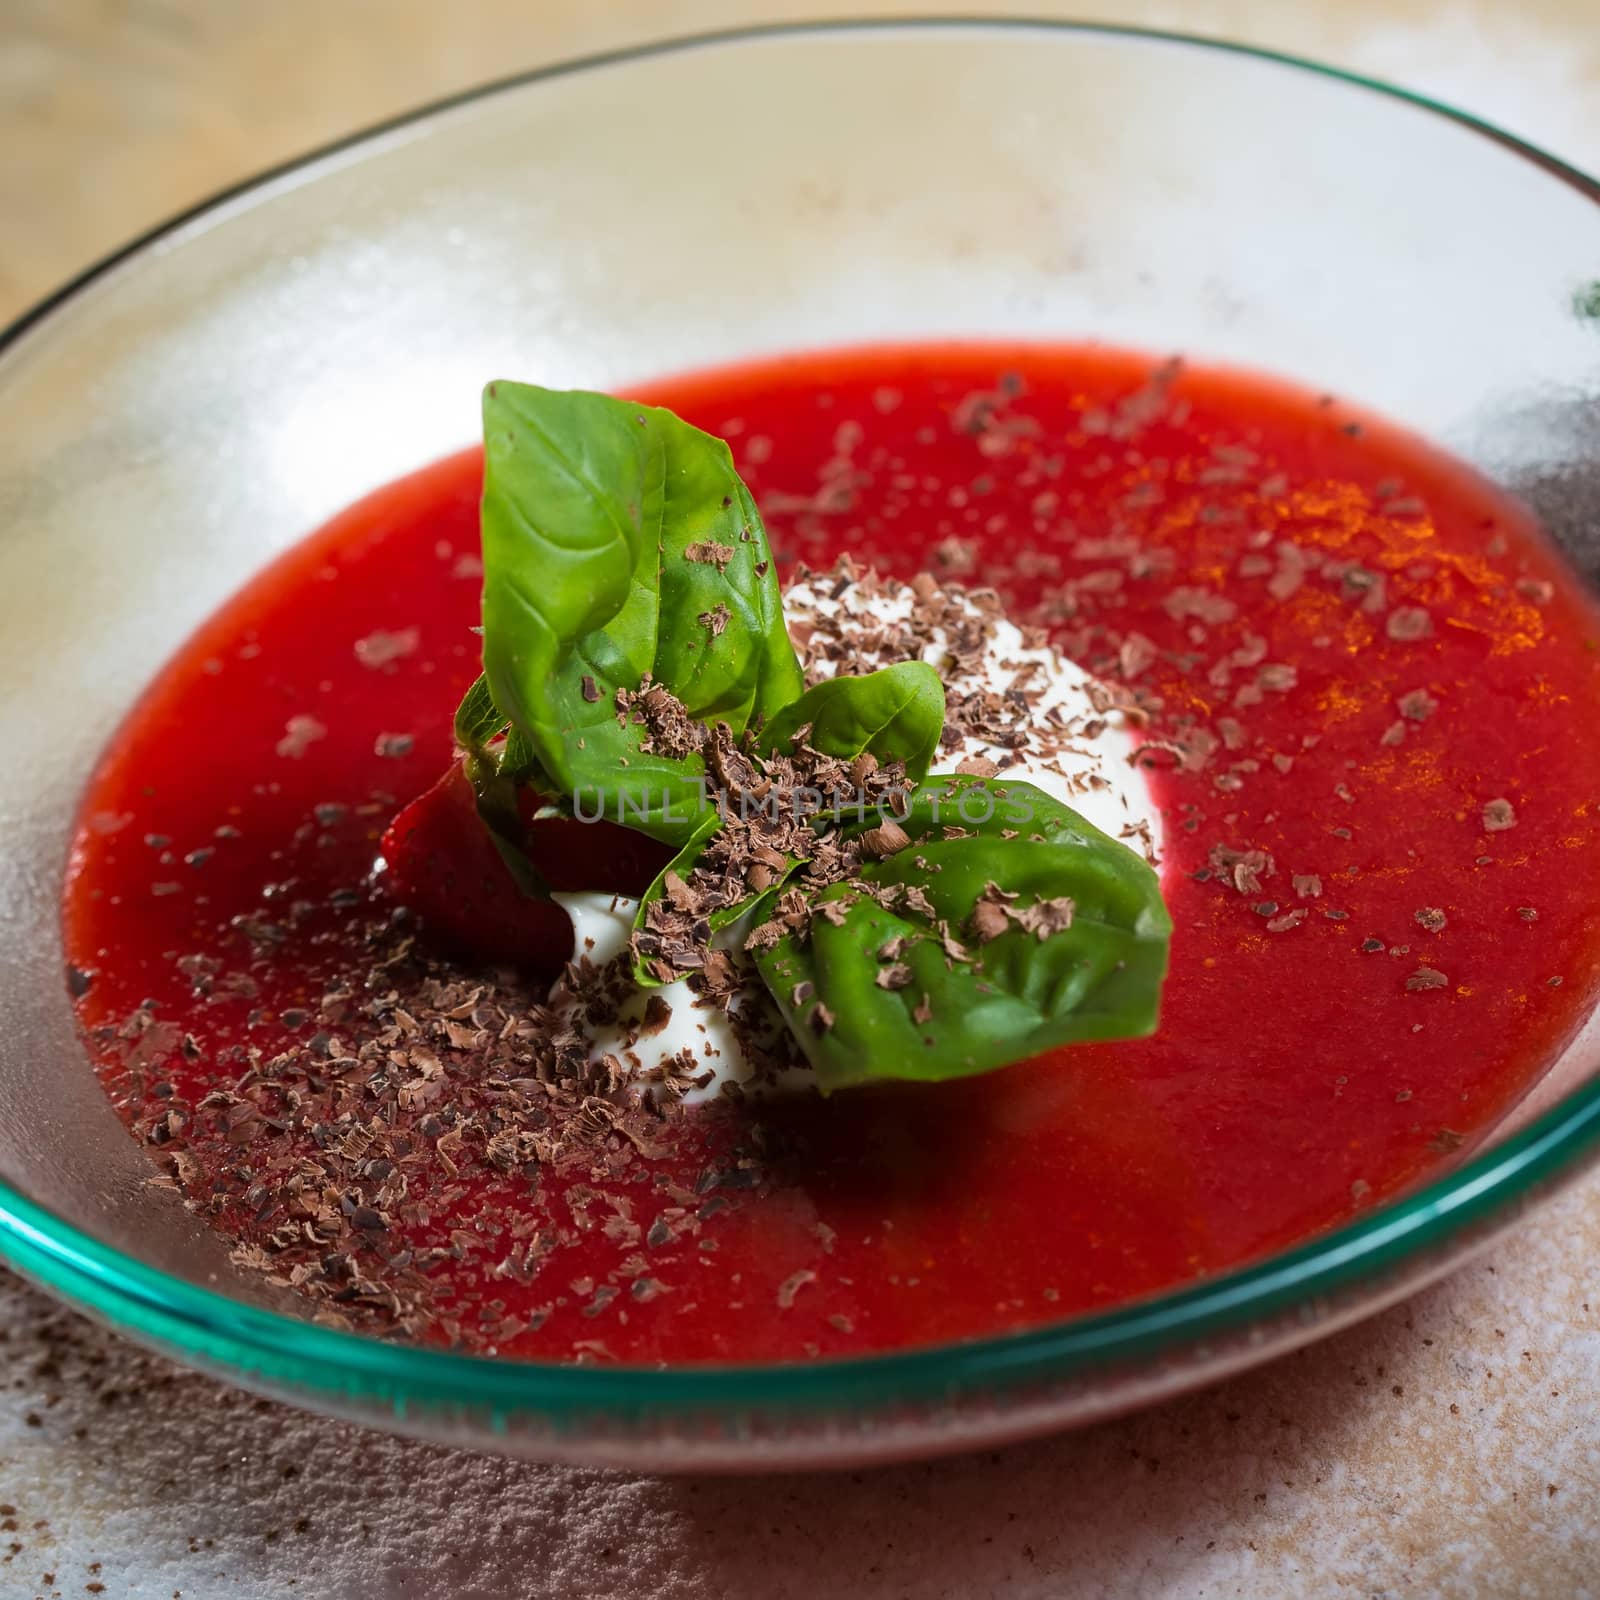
column 181, row 415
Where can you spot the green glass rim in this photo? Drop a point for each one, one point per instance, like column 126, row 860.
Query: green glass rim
column 221, row 1333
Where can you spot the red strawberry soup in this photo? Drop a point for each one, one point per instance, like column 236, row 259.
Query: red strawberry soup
column 1355, row 691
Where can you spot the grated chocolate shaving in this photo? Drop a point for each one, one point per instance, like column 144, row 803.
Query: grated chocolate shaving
column 707, row 552
column 1498, row 816
column 1425, row 978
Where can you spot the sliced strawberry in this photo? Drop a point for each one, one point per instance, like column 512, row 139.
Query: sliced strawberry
column 444, row 865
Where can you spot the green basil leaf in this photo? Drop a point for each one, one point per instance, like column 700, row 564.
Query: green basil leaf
column 957, row 1009
column 895, row 714
column 620, row 543
column 680, row 866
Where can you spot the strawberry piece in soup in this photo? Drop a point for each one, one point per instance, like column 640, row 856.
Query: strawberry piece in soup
column 444, row 865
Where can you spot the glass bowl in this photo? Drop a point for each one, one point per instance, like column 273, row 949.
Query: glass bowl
column 182, row 412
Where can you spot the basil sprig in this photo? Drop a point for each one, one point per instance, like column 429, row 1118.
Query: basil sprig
column 620, row 547
column 986, row 922
column 894, row 715
column 902, row 976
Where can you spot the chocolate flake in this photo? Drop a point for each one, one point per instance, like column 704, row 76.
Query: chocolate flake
column 381, row 649
column 1417, row 705
column 300, row 733
column 885, row 839
column 707, row 552
column 716, row 620
column 1425, row 978
column 657, row 1014
column 1407, row 624
column 1046, row 917
column 990, row 916
column 792, row 1285
column 1498, row 816
column 1243, row 869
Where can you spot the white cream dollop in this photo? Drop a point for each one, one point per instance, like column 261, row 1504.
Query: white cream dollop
column 1085, row 762
column 1093, row 773
column 601, row 926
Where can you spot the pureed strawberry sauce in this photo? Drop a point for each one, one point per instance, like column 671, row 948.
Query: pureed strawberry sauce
column 1372, row 690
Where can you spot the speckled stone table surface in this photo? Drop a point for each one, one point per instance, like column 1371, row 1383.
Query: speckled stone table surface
column 1450, row 1446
